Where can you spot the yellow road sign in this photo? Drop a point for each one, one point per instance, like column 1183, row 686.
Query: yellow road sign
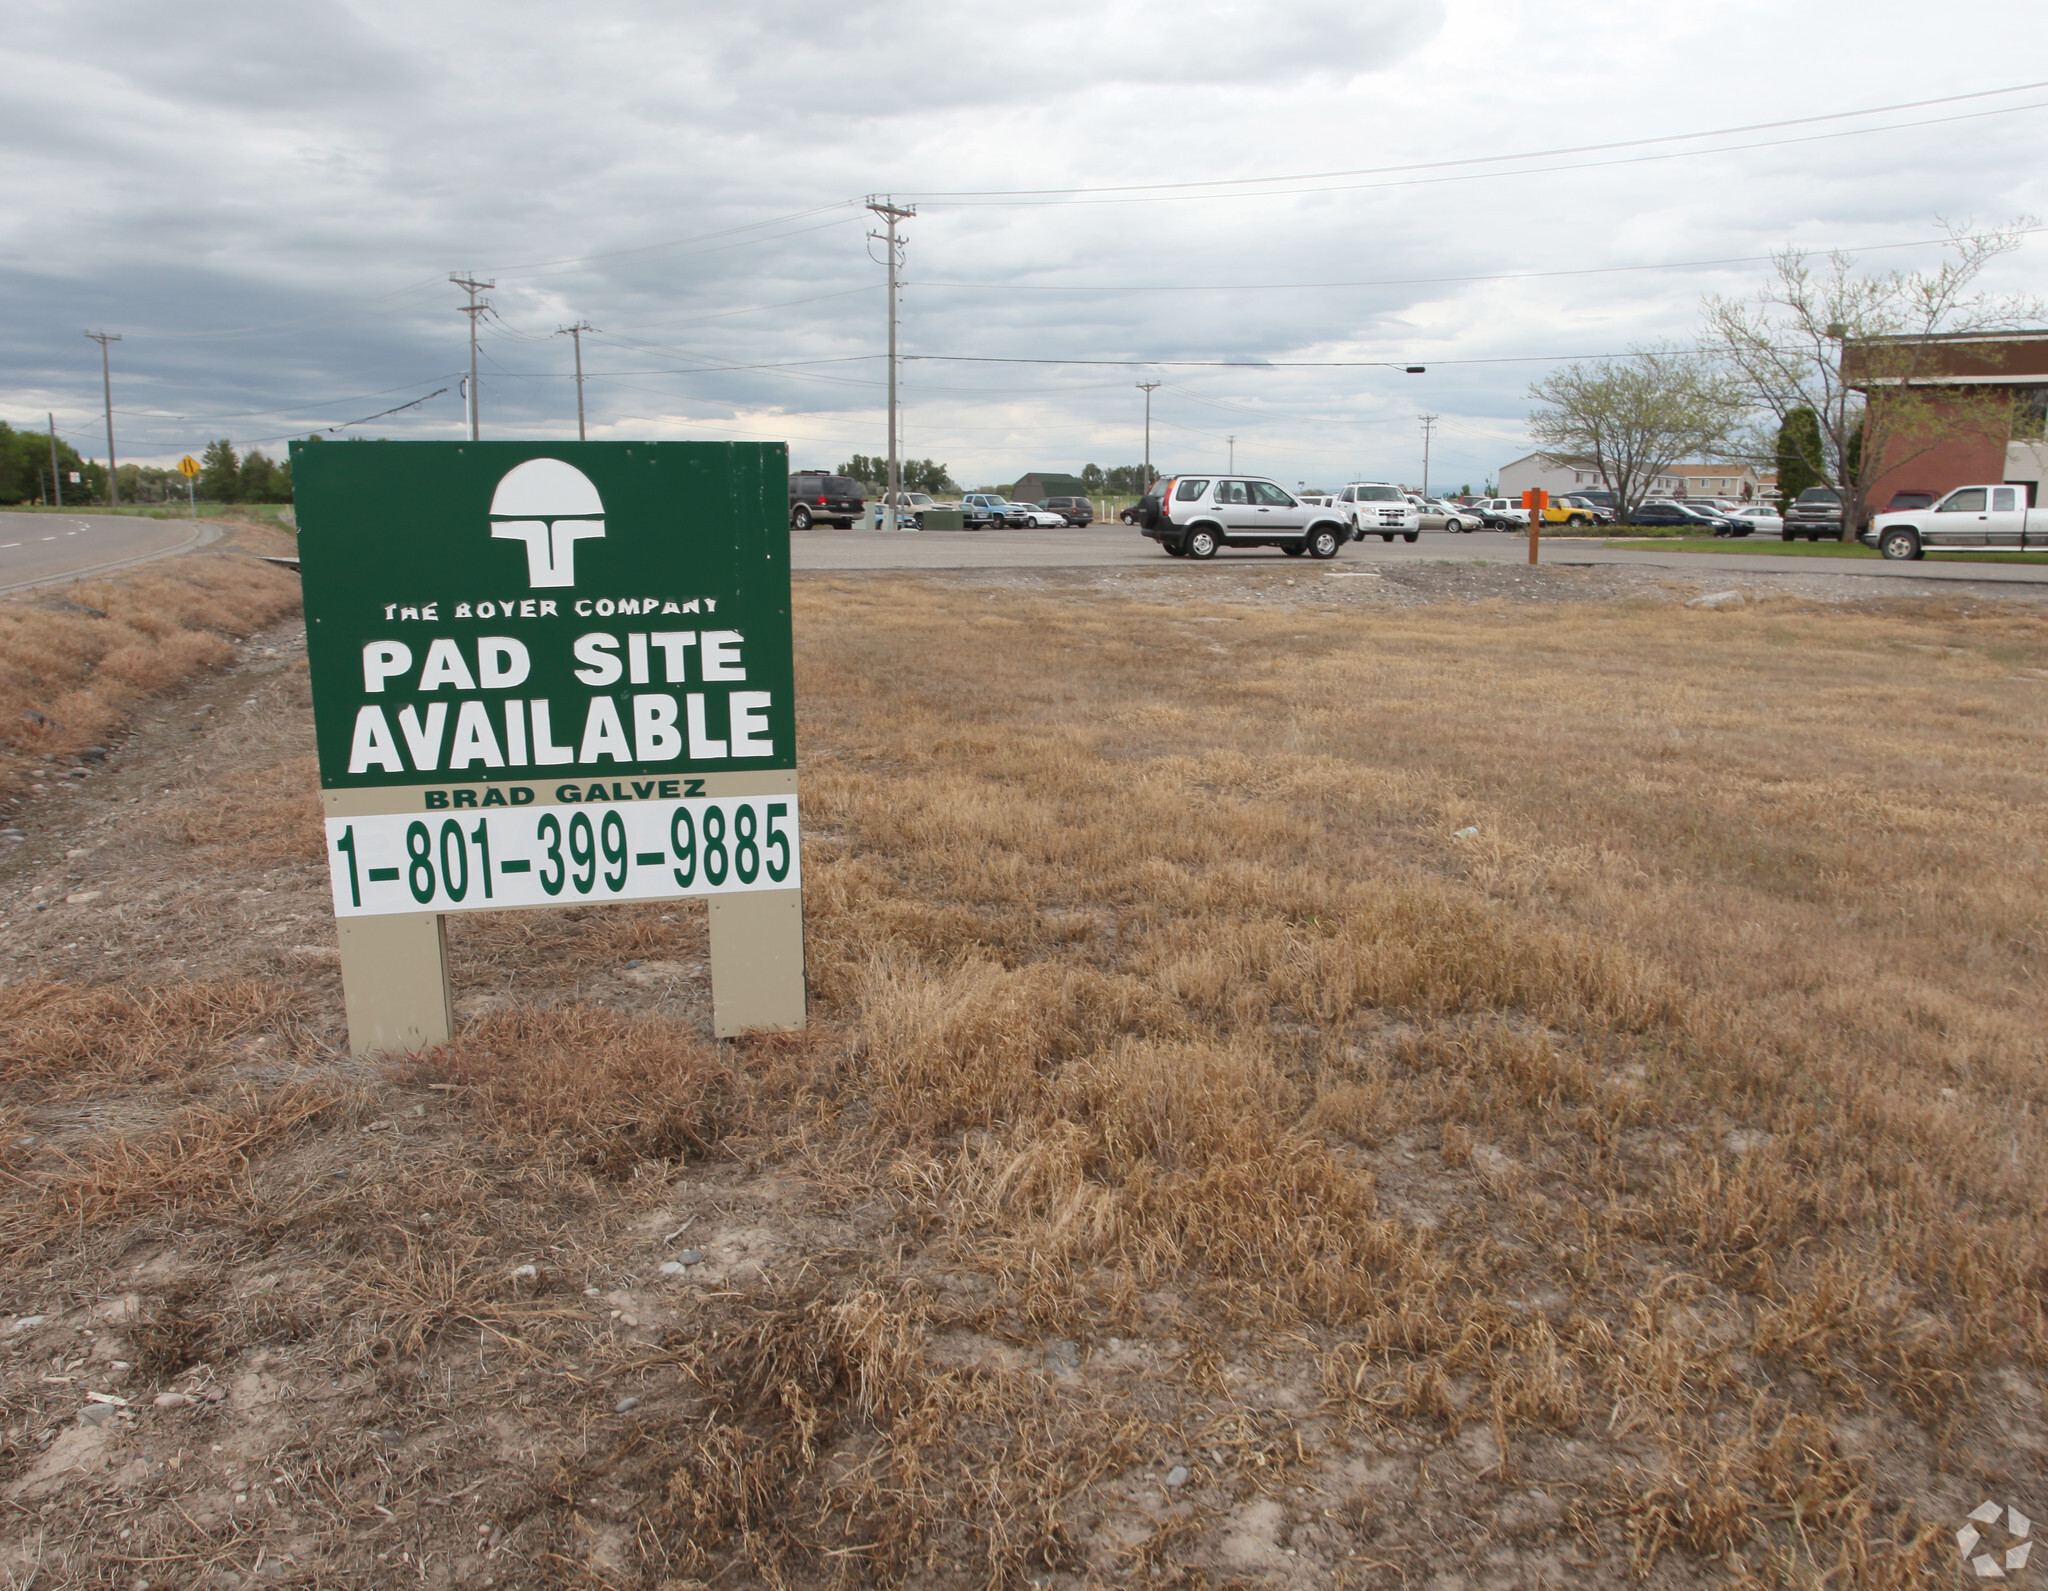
column 188, row 466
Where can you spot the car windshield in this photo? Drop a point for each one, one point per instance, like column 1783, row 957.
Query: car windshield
column 1820, row 494
column 841, row 486
column 1379, row 494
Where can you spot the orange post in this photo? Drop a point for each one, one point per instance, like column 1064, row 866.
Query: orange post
column 1535, row 499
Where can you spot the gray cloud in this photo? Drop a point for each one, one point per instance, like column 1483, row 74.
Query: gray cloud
column 315, row 173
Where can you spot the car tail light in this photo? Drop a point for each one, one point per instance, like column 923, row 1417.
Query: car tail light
column 1165, row 497
column 821, row 502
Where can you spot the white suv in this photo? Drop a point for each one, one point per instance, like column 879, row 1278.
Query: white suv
column 1378, row 509
column 1194, row 515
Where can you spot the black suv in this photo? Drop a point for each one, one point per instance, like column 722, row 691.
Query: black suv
column 1814, row 513
column 814, row 495
column 1076, row 511
column 1664, row 512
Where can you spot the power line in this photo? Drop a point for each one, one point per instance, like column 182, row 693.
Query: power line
column 1429, row 281
column 1481, row 160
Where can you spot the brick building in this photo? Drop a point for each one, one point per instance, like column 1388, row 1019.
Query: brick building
column 1978, row 410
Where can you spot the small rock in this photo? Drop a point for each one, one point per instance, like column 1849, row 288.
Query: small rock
column 1465, row 833
column 1177, row 1476
column 1718, row 599
column 673, row 1267
column 691, row 1256
column 1063, row 1355
column 27, row 1322
column 74, row 853
column 526, row 1272
column 215, row 1394
column 625, row 1405
column 171, row 1400
column 80, row 897
column 96, row 1413
column 632, row 964
column 590, row 1292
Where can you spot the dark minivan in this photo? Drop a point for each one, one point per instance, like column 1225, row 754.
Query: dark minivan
column 815, row 495
column 1076, row 511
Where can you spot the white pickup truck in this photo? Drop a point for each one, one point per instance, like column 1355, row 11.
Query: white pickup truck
column 1993, row 518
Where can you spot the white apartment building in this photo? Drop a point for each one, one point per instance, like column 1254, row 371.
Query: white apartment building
column 1559, row 476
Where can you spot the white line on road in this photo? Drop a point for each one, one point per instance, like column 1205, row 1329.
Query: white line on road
column 49, row 538
column 4, row 545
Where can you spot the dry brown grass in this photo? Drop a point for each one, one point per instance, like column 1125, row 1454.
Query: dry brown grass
column 82, row 676
column 1645, row 1187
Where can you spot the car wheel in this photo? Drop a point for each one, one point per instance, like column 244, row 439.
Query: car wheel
column 1200, row 543
column 1410, row 535
column 1293, row 549
column 1901, row 545
column 1386, row 535
column 799, row 518
column 1174, row 549
column 1323, row 542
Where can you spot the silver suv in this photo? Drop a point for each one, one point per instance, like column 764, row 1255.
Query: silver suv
column 1379, row 509
column 1195, row 515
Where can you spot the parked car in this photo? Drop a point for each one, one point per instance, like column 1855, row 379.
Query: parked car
column 1762, row 518
column 1196, row 515
column 986, row 510
column 1433, row 513
column 1379, row 508
column 910, row 509
column 1137, row 513
column 1603, row 516
column 1666, row 512
column 1075, row 511
column 1602, row 499
column 1814, row 513
column 1504, row 513
column 1989, row 518
column 816, row 495
column 1037, row 516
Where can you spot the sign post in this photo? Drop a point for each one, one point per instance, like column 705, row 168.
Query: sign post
column 551, row 676
column 1535, row 499
column 188, row 466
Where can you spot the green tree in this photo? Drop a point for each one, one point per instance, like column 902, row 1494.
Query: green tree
column 1800, row 459
column 1632, row 419
column 1093, row 478
column 220, row 472
column 262, row 480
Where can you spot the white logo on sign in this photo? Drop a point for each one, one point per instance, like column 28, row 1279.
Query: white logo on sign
column 2018, row 1528
column 550, row 506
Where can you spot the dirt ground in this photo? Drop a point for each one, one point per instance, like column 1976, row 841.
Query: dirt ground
column 1457, row 1078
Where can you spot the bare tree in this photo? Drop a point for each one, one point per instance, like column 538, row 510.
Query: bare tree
column 1632, row 419
column 1856, row 352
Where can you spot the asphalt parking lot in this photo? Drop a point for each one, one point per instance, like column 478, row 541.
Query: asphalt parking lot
column 1111, row 546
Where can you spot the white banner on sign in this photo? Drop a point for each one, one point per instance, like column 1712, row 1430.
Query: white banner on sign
column 503, row 858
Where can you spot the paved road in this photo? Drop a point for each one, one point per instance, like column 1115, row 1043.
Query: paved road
column 1117, row 546
column 49, row 549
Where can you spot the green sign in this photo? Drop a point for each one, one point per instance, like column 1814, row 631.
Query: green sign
column 513, row 612
column 542, row 652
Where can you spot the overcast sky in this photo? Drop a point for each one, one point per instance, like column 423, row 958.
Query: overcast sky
column 266, row 202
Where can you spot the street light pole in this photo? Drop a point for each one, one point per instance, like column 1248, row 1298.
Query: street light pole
column 56, row 476
column 1428, row 424
column 1232, row 466
column 107, row 385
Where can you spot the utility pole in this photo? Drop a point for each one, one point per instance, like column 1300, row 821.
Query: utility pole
column 472, row 309
column 576, row 331
column 1428, row 424
column 1148, row 388
column 107, row 384
column 1232, row 466
column 891, row 213
column 56, row 477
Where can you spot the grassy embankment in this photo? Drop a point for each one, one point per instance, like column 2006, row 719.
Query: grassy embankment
column 1476, row 1101
column 76, row 659
column 276, row 514
column 1774, row 548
